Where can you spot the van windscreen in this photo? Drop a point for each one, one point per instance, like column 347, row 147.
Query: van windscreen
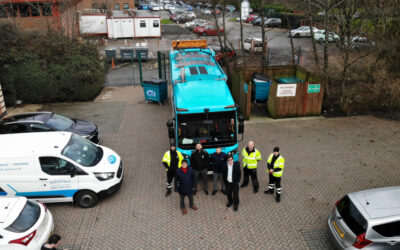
column 83, row 151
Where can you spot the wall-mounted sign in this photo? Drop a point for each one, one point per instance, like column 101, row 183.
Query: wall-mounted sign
column 314, row 88
column 285, row 90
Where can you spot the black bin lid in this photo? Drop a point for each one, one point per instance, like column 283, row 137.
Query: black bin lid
column 154, row 81
column 263, row 77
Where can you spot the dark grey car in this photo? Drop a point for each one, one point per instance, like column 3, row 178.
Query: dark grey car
column 368, row 219
column 46, row 122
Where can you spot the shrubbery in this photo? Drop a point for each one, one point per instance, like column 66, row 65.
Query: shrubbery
column 38, row 68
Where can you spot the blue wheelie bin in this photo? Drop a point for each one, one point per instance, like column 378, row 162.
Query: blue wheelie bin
column 261, row 84
column 155, row 90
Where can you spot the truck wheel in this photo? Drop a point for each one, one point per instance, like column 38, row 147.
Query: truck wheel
column 86, row 198
column 297, row 35
column 204, row 33
column 320, row 40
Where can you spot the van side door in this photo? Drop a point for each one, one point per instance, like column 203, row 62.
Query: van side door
column 59, row 179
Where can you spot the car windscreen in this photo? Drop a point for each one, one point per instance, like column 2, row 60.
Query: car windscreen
column 82, row 151
column 59, row 122
column 351, row 216
column 210, row 129
column 26, row 219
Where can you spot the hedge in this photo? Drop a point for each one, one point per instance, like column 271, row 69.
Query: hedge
column 43, row 68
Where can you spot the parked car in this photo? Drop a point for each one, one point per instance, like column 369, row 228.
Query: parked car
column 156, row 7
column 216, row 11
column 368, row 219
column 219, row 54
column 319, row 36
column 273, row 22
column 48, row 121
column 174, row 14
column 209, row 30
column 257, row 21
column 169, row 7
column 250, row 18
column 195, row 22
column 302, row 31
column 206, row 11
column 230, row 8
column 24, row 224
column 182, row 18
column 189, row 7
column 359, row 42
column 191, row 14
column 248, row 43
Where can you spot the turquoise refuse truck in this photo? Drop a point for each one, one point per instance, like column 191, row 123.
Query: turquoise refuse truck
column 203, row 108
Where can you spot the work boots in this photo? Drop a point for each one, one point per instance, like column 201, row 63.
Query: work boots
column 269, row 191
column 278, row 198
column 168, row 192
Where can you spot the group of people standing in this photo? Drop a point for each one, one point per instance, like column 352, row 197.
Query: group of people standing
column 225, row 170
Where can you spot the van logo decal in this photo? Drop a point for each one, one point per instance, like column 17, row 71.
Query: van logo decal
column 111, row 159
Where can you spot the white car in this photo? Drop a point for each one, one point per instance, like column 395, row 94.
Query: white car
column 319, row 36
column 252, row 43
column 169, row 7
column 24, row 224
column 206, row 12
column 302, row 31
column 190, row 14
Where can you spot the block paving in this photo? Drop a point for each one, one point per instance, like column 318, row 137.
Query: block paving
column 325, row 159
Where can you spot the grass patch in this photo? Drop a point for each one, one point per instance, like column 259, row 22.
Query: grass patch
column 232, row 19
column 166, row 21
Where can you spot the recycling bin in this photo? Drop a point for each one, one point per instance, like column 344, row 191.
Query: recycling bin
column 155, row 90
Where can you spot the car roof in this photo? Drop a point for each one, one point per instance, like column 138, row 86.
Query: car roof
column 10, row 208
column 378, row 203
column 28, row 144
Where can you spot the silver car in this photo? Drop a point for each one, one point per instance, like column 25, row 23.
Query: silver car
column 368, row 219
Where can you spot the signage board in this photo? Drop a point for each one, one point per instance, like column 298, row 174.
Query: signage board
column 285, row 90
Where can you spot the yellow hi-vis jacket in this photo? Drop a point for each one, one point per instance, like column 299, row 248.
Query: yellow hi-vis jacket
column 167, row 158
column 278, row 165
column 250, row 160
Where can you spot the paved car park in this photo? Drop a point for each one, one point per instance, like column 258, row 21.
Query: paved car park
column 325, row 159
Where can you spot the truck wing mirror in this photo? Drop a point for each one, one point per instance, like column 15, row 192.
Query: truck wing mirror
column 241, row 124
column 171, row 130
column 170, row 124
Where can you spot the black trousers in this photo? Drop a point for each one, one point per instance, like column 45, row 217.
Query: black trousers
column 232, row 192
column 275, row 182
column 183, row 200
column 253, row 173
column 170, row 177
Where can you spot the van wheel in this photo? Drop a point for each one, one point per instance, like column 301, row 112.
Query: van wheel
column 86, row 198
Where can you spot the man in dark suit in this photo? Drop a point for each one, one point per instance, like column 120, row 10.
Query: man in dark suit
column 231, row 175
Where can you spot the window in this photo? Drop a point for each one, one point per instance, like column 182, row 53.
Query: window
column 26, row 219
column 351, row 216
column 39, row 128
column 126, row 6
column 24, row 10
column 16, row 128
column 116, row 6
column 142, row 23
column 34, row 9
column 55, row 166
column 156, row 24
column 59, row 122
column 389, row 229
column 3, row 11
column 82, row 151
column 193, row 71
column 47, row 9
column 203, row 70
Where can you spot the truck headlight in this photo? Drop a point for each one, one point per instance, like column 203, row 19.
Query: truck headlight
column 104, row 176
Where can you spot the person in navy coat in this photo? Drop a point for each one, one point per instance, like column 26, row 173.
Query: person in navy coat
column 184, row 185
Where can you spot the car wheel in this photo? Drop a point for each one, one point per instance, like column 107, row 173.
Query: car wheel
column 337, row 40
column 204, row 34
column 320, row 40
column 297, row 35
column 86, row 198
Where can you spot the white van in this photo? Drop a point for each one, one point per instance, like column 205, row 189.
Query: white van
column 57, row 167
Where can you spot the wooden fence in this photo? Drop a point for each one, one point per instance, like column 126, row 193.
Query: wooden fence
column 305, row 98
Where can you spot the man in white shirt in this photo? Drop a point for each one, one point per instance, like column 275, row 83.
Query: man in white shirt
column 231, row 175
